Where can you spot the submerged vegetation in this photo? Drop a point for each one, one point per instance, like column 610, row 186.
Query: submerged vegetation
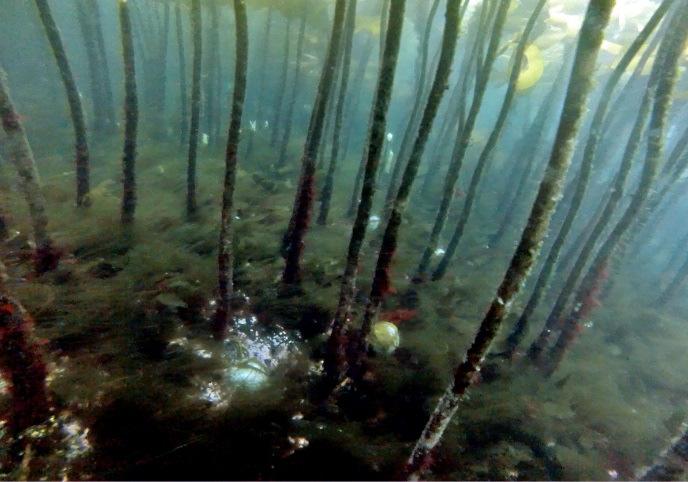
column 491, row 180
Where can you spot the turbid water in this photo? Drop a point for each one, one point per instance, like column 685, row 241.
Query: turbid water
column 543, row 322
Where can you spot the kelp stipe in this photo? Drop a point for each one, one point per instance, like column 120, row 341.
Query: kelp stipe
column 131, row 117
column 46, row 255
column 82, row 157
column 292, row 244
column 336, row 359
column 194, row 123
column 225, row 255
column 589, row 41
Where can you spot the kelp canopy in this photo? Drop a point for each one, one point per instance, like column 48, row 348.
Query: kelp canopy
column 357, row 239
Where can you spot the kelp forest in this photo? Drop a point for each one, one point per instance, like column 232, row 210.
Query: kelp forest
column 343, row 239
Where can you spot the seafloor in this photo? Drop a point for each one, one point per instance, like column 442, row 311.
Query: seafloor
column 142, row 391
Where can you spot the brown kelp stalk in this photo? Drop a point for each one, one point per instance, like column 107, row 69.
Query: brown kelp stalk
column 513, row 196
column 487, row 150
column 335, row 362
column 412, row 124
column 634, row 82
column 658, row 202
column 183, row 97
column 536, row 132
column 328, row 187
column 589, row 41
column 21, row 365
column 161, row 61
column 196, row 32
column 381, row 281
column 384, row 20
column 75, row 108
column 666, row 72
column 355, row 195
column 225, row 255
column 456, row 111
column 107, row 100
column 281, row 86
column 94, row 68
column 361, row 166
column 303, row 201
column 581, row 181
column 460, row 147
column 608, row 208
column 140, row 30
column 131, row 116
column 19, row 153
column 289, row 116
column 212, row 67
column 353, row 106
column 329, row 118
column 218, row 82
column 260, row 99
column 677, row 281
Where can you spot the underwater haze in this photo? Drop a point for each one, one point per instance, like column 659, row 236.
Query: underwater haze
column 343, row 239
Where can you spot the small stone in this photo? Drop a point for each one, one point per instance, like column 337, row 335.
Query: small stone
column 170, row 301
column 104, row 270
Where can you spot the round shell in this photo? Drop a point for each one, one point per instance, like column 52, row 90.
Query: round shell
column 385, row 337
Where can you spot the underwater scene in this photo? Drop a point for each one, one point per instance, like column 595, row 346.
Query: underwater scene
column 343, row 239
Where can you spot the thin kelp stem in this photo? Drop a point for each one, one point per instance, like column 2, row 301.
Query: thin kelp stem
column 225, row 255
column 20, row 155
column 581, row 181
column 107, row 101
column 677, row 282
column 657, row 203
column 667, row 71
column 218, row 82
column 353, row 106
column 328, row 187
column 289, row 117
column 183, row 95
column 94, row 70
column 329, row 118
column 131, row 116
column 196, row 32
column 511, row 198
column 335, row 362
column 73, row 98
column 361, row 166
column 212, row 65
column 455, row 117
column 412, row 124
column 281, row 86
column 633, row 82
column 589, row 41
column 160, row 80
column 355, row 195
column 566, row 292
column 384, row 21
column 486, row 152
column 260, row 99
column 381, row 279
column 303, row 201
column 460, row 147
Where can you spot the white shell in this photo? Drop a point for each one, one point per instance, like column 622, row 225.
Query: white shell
column 249, row 374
